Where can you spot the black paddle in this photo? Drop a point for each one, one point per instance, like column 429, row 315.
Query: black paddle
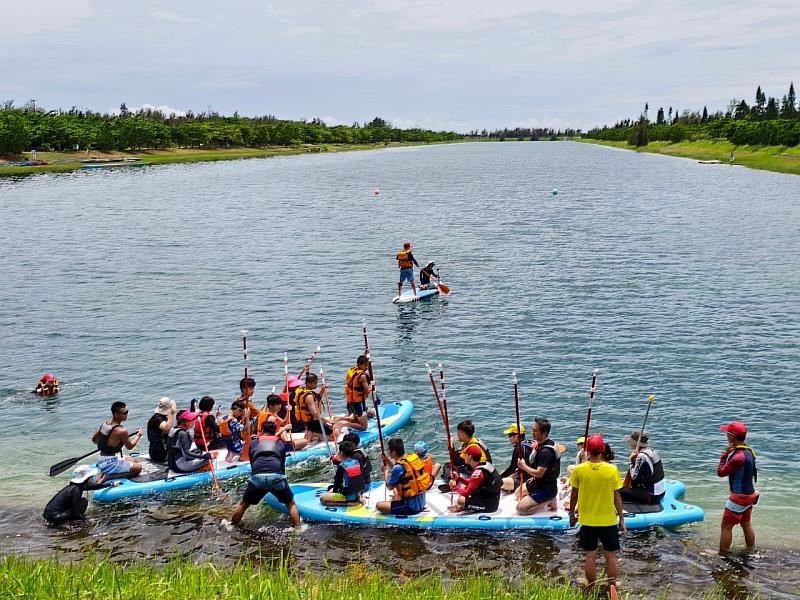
column 66, row 464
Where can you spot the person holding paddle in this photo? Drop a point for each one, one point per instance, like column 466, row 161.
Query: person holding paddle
column 425, row 274
column 111, row 437
column 644, row 483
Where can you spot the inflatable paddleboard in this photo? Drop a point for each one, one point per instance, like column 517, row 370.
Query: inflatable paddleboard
column 436, row 515
column 156, row 477
column 408, row 295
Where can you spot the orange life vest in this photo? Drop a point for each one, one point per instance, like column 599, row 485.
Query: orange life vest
column 301, row 412
column 416, row 479
column 353, row 388
column 404, row 259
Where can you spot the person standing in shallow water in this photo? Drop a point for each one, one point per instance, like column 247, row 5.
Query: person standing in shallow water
column 737, row 462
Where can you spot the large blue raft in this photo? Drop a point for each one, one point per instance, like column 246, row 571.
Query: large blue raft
column 157, row 478
column 671, row 513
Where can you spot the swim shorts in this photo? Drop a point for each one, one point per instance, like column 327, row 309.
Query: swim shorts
column 407, row 275
column 113, row 465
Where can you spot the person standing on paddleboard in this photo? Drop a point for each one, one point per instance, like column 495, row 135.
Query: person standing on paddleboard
column 406, row 262
column 737, row 462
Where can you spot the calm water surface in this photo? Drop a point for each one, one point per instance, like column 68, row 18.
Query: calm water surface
column 673, row 278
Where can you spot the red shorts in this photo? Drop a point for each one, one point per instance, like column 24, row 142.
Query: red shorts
column 733, row 518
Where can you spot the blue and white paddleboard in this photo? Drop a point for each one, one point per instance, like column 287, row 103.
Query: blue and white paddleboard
column 408, row 295
column 436, row 515
column 157, row 478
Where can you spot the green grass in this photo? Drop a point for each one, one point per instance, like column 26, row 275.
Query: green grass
column 179, row 579
column 781, row 159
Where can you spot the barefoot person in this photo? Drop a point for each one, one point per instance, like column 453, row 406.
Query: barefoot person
column 406, row 262
column 308, row 410
column 348, row 481
column 406, row 476
column 737, row 462
column 595, row 493
column 111, row 438
column 357, row 388
column 516, row 437
column 544, row 470
column 480, row 492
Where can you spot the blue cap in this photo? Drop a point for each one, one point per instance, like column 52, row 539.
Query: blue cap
column 421, row 448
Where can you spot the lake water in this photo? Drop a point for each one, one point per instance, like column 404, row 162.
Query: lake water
column 671, row 277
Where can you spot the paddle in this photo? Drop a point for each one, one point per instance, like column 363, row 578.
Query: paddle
column 245, row 453
column 443, row 412
column 520, row 472
column 627, row 482
column 451, row 452
column 443, row 289
column 307, row 364
column 591, row 400
column 215, row 489
column 66, row 464
column 325, row 392
column 374, row 388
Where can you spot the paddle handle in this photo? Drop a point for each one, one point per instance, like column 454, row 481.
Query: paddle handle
column 650, row 398
column 374, row 389
column 591, row 401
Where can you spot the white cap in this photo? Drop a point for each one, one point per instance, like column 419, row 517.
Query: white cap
column 83, row 473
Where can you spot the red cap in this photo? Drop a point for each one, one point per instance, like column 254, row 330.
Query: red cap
column 186, row 415
column 734, row 427
column 406, row 244
column 474, row 451
column 595, row 444
column 48, row 377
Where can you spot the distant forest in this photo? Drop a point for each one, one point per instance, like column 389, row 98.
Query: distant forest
column 522, row 134
column 767, row 122
column 31, row 127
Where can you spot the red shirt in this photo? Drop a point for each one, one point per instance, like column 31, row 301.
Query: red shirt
column 466, row 486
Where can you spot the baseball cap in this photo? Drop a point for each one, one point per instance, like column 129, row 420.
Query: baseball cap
column 512, row 429
column 581, row 440
column 474, row 451
column 48, row 377
column 595, row 444
column 734, row 427
column 83, row 473
column 421, row 448
column 185, row 414
column 406, row 244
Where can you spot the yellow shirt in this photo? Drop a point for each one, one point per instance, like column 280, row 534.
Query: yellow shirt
column 596, row 483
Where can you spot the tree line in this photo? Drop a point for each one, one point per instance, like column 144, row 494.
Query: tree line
column 31, row 127
column 768, row 122
column 522, row 133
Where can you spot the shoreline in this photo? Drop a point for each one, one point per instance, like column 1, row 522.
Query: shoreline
column 65, row 162
column 777, row 159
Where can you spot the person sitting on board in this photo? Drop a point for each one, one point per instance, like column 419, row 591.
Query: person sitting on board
column 646, row 472
column 288, row 398
column 517, row 440
column 111, row 437
column 48, row 385
column 234, row 428
column 247, row 388
column 425, row 274
column 69, row 504
column 158, row 427
column 737, row 462
column 308, row 410
column 273, row 413
column 361, row 456
column 180, row 456
column 357, row 387
column 595, row 494
column 465, row 432
column 206, row 429
column 406, row 262
column 544, row 468
column 406, row 476
column 433, row 469
column 348, row 482
column 268, row 452
column 480, row 492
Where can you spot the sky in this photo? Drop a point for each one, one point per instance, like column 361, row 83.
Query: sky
column 442, row 64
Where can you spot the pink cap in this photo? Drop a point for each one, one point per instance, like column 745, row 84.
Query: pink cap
column 294, row 381
column 185, row 414
column 48, row 377
column 734, row 427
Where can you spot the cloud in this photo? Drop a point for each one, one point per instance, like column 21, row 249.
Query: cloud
column 166, row 110
column 18, row 20
column 166, row 15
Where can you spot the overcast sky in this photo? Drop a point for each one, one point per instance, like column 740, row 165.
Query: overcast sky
column 444, row 64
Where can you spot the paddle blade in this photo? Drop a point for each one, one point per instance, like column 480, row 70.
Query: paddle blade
column 443, row 289
column 58, row 468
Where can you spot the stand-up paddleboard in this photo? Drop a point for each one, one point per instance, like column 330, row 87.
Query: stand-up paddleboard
column 437, row 516
column 156, row 477
column 408, row 295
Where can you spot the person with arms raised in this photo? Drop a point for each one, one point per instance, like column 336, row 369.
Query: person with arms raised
column 158, row 427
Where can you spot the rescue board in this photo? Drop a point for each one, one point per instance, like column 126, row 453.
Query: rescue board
column 156, row 477
column 437, row 516
column 408, row 295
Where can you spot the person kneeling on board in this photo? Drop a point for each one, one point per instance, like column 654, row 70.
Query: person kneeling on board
column 111, row 438
column 425, row 274
column 69, row 503
column 465, row 432
column 235, row 427
column 348, row 482
column 480, row 491
column 408, row 479
column 268, row 461
column 180, row 456
column 517, row 439
column 48, row 385
column 308, row 411
column 646, row 472
column 544, row 469
column 357, row 387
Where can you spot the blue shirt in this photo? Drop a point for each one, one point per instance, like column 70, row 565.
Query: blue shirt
column 416, row 503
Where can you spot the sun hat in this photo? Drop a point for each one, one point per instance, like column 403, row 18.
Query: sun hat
column 83, row 473
column 595, row 444
column 734, row 427
column 512, row 429
column 165, row 405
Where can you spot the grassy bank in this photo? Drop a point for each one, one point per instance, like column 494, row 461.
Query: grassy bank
column 70, row 161
column 34, row 579
column 781, row 159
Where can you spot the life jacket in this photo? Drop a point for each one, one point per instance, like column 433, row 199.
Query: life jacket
column 154, row 433
column 209, row 433
column 416, row 479
column 224, row 426
column 651, row 482
column 353, row 483
column 366, row 466
column 354, row 391
column 174, row 451
column 301, row 412
column 266, row 415
column 404, row 259
column 267, row 445
column 552, row 473
column 742, row 479
column 102, row 441
column 491, row 484
column 485, row 456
